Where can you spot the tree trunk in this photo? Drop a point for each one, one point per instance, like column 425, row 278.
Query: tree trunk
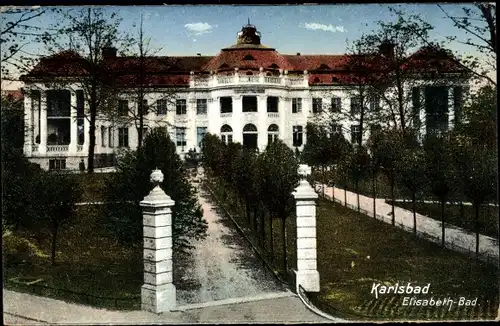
column 55, row 229
column 271, row 237
column 413, row 200
column 357, row 192
column 442, row 224
column 374, row 190
column 247, row 211
column 476, row 227
column 262, row 230
column 333, row 191
column 392, row 199
column 283, row 236
column 345, row 194
column 461, row 210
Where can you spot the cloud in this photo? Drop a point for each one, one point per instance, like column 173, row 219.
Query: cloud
column 198, row 28
column 323, row 27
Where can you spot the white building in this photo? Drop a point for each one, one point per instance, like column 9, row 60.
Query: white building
column 248, row 93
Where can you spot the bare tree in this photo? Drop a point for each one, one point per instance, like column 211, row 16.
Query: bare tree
column 144, row 65
column 19, row 29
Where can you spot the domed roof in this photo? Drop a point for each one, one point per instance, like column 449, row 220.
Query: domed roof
column 248, row 38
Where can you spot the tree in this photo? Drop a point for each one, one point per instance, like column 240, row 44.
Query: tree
column 411, row 175
column 131, row 183
column 358, row 164
column 134, row 75
column 81, row 36
column 278, row 177
column 438, row 170
column 385, row 147
column 19, row 28
column 61, row 194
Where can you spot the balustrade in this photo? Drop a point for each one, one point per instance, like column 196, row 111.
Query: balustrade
column 57, row 148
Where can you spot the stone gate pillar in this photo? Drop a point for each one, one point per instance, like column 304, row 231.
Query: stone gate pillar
column 306, row 274
column 158, row 292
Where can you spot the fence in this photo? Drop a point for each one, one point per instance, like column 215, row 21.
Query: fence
column 128, row 303
column 449, row 244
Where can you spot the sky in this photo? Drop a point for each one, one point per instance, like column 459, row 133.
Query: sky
column 308, row 29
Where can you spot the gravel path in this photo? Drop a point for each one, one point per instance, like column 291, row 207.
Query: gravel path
column 223, row 265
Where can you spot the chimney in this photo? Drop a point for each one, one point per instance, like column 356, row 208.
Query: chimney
column 198, row 54
column 298, row 53
column 386, row 48
column 109, row 52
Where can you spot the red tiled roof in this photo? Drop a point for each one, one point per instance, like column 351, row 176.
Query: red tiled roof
column 175, row 70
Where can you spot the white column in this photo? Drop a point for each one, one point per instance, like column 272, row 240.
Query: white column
column 306, row 78
column 306, row 274
column 28, row 123
column 282, row 112
column 262, row 124
column 86, row 136
column 73, row 125
column 451, row 108
column 262, row 76
column 42, row 149
column 236, row 76
column 237, row 119
column 158, row 294
column 422, row 113
column 191, row 123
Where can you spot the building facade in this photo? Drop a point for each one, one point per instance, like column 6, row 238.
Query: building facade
column 248, row 93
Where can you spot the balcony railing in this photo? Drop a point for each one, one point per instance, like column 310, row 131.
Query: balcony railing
column 57, row 148
column 242, row 80
column 34, row 148
column 79, row 148
column 226, row 115
column 273, row 114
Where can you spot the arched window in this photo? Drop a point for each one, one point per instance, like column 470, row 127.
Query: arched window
column 272, row 133
column 316, row 80
column 224, row 66
column 249, row 73
column 274, row 66
column 335, row 79
column 226, row 134
column 323, row 67
column 250, row 136
column 269, row 73
column 248, row 57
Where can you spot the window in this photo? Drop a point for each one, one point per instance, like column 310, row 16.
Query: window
column 201, row 106
column 58, row 103
column 123, row 108
column 374, row 128
column 274, row 66
column 122, row 137
column 336, row 104
column 297, row 135
column 272, row 133
column 142, row 107
column 374, row 103
column 355, row 105
column 355, row 133
column 296, row 105
column 323, row 67
column 226, row 104
column 317, row 105
column 248, row 57
column 57, row 164
column 249, row 73
column 111, row 143
column 180, row 107
column 200, row 133
column 336, row 129
column 79, row 104
column 226, row 133
column 436, row 108
column 416, row 106
column 103, row 136
column 272, row 104
column 161, row 107
column 180, row 136
column 249, row 103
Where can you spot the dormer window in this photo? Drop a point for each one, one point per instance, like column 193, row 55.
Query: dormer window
column 335, row 79
column 274, row 66
column 324, row 67
column 248, row 57
column 224, row 66
column 316, row 80
column 249, row 73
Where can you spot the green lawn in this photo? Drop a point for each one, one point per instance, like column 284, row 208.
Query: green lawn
column 88, row 260
column 355, row 251
column 488, row 215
